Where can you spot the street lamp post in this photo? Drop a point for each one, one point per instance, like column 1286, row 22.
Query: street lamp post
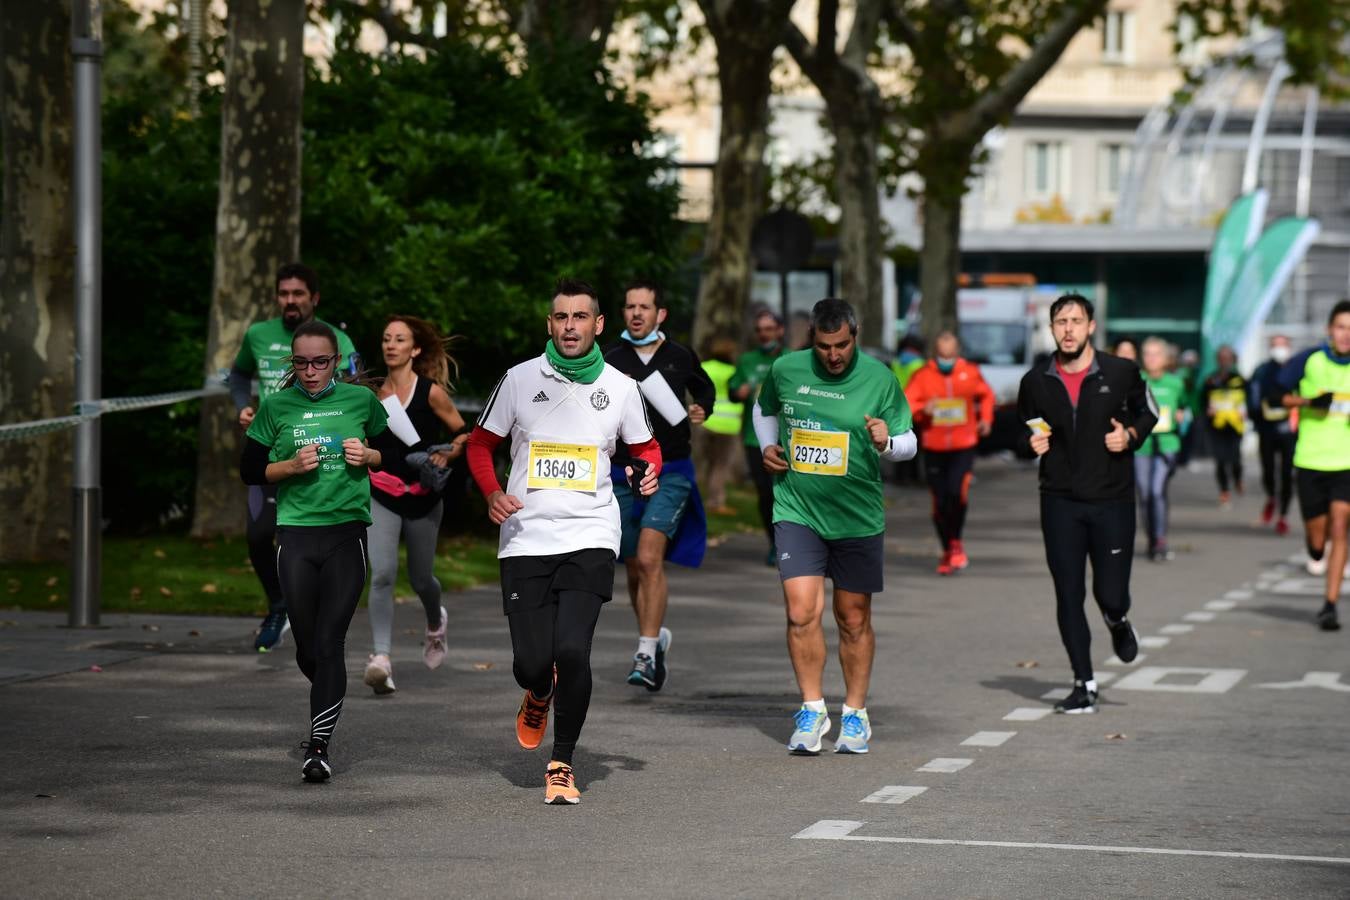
column 86, row 47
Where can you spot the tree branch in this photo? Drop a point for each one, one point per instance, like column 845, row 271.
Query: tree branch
column 827, row 29
column 1002, row 99
column 900, row 20
column 396, row 30
column 862, row 37
column 804, row 53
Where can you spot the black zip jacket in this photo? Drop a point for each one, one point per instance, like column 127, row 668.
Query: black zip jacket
column 1078, row 465
column 680, row 367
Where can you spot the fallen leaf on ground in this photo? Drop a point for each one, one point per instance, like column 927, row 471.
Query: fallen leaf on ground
column 14, row 586
column 1116, row 736
column 159, row 554
column 150, row 627
column 135, row 593
column 53, row 598
column 1028, row 664
column 165, row 592
column 45, row 796
column 9, row 623
column 95, row 668
column 194, row 633
column 208, row 588
column 51, row 582
column 482, row 667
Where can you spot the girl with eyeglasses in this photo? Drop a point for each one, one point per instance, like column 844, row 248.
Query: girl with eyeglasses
column 309, row 439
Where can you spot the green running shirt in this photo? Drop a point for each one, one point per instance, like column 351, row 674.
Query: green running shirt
column 335, row 492
column 751, row 369
column 267, row 347
column 833, row 483
column 1169, row 394
column 1324, row 434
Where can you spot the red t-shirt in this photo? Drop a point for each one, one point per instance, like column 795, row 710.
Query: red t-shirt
column 1072, row 380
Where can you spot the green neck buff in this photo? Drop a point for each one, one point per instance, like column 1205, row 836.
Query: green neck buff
column 583, row 369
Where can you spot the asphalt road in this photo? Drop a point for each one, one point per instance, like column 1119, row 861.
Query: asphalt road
column 1216, row 766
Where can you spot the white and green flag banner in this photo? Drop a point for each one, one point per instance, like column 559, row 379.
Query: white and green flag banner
column 1236, row 235
column 1261, row 278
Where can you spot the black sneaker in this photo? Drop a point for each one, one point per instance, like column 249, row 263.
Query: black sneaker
column 1080, row 700
column 317, row 767
column 272, row 630
column 662, row 647
column 1326, row 619
column 1124, row 641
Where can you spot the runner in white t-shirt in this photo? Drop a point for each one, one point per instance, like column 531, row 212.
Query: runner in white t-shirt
column 565, row 412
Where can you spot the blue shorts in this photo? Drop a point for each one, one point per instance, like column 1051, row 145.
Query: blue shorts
column 663, row 511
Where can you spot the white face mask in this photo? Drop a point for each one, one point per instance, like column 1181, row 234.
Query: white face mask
column 1281, row 354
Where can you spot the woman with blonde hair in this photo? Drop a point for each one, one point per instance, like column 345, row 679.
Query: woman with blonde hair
column 407, row 487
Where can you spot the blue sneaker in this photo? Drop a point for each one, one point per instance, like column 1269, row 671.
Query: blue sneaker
column 643, row 673
column 272, row 630
column 662, row 647
column 811, row 727
column 854, row 732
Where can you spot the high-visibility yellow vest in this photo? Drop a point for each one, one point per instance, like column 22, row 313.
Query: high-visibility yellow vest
column 726, row 415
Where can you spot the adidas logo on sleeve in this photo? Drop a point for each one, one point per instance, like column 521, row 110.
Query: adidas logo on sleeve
column 540, row 397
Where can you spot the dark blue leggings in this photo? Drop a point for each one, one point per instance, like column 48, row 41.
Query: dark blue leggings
column 1152, row 474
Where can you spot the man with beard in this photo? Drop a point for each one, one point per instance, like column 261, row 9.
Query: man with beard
column 1087, row 412
column 671, row 522
column 266, row 354
column 565, row 411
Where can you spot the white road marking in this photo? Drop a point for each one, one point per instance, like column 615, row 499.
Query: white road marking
column 1199, row 617
column 1153, row 643
column 1210, row 681
column 1115, row 660
column 895, row 793
column 1030, row 713
column 842, row 830
column 1220, row 605
column 945, row 765
column 988, row 739
column 1177, row 629
column 1312, row 586
column 1329, row 680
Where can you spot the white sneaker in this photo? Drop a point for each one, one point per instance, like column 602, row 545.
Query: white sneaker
column 380, row 674
column 1316, row 567
column 811, row 727
column 433, row 651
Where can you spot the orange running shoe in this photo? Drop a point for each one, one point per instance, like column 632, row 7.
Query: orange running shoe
column 532, row 720
column 957, row 557
column 560, row 785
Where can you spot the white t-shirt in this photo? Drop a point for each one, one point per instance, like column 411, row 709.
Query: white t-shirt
column 563, row 434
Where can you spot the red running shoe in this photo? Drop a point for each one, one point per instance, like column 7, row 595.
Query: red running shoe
column 945, row 564
column 1268, row 511
column 957, row 556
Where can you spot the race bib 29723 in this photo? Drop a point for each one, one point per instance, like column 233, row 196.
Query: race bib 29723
column 819, row 452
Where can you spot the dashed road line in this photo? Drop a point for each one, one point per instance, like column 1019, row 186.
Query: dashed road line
column 1177, row 629
column 1220, row 605
column 944, row 765
column 1028, row 713
column 895, row 794
column 1153, row 643
column 1199, row 617
column 988, row 739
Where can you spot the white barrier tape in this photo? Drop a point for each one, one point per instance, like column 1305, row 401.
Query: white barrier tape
column 92, row 410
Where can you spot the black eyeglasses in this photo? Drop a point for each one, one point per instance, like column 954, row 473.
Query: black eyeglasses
column 319, row 363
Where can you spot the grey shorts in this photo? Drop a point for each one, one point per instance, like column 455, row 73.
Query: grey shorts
column 853, row 564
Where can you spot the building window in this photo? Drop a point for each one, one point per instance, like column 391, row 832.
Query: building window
column 1118, row 37
column 1113, row 164
column 1047, row 162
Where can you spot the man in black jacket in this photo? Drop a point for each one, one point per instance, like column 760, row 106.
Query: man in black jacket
column 1087, row 412
column 665, row 371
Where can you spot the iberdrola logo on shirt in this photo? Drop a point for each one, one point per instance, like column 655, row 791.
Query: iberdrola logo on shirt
column 817, row 392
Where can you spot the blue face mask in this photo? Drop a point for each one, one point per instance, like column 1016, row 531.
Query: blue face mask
column 945, row 366
column 908, row 356
column 652, row 338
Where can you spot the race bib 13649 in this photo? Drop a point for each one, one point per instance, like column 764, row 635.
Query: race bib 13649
column 564, row 467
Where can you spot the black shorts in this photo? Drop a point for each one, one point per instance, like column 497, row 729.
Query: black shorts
column 853, row 564
column 529, row 582
column 1317, row 490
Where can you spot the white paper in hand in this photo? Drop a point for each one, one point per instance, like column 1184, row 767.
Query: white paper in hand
column 656, row 390
column 399, row 423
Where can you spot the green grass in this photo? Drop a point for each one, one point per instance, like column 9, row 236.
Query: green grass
column 176, row 574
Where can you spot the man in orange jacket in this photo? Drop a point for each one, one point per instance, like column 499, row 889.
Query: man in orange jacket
column 955, row 408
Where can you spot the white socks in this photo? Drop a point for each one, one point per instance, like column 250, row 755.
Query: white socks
column 815, row 705
column 1091, row 685
column 647, row 646
column 848, row 710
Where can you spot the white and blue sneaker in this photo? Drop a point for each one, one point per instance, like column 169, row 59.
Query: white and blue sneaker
column 855, row 729
column 811, row 728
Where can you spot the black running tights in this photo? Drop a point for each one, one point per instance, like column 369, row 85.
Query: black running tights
column 322, row 571
column 1227, row 447
column 1075, row 532
column 558, row 633
column 1281, row 446
column 754, row 460
column 261, row 533
column 949, row 477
